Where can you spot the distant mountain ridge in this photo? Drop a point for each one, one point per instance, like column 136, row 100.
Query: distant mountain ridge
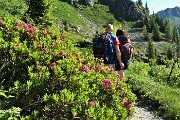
column 173, row 14
column 169, row 12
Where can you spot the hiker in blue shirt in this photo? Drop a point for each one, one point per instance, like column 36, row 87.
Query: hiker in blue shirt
column 111, row 60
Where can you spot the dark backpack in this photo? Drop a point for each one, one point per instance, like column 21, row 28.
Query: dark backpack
column 125, row 48
column 102, row 46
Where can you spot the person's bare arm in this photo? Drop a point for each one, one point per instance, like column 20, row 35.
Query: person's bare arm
column 118, row 54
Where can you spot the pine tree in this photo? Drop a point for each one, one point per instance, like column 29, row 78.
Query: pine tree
column 140, row 2
column 40, row 11
column 156, row 33
column 147, row 22
column 145, row 33
column 151, row 49
column 146, row 8
column 176, row 49
column 168, row 31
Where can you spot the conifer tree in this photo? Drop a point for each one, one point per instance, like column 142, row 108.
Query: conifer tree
column 176, row 49
column 147, row 22
column 168, row 31
column 140, row 2
column 156, row 33
column 145, row 33
column 151, row 49
column 40, row 11
column 146, row 8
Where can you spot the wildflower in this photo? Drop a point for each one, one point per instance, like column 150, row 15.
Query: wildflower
column 119, row 77
column 17, row 28
column 44, row 32
column 29, row 25
column 32, row 36
column 46, row 51
column 92, row 103
column 1, row 21
column 100, row 66
column 85, row 68
column 128, row 107
column 63, row 54
column 106, row 83
column 53, row 63
column 49, row 32
column 39, row 46
column 32, row 29
column 18, row 44
column 63, row 37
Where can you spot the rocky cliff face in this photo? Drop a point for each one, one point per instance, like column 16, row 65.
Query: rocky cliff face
column 169, row 12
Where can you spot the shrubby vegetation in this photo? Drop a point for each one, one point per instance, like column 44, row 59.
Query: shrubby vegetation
column 48, row 71
column 44, row 76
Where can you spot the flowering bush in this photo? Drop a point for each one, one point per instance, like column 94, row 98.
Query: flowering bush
column 49, row 78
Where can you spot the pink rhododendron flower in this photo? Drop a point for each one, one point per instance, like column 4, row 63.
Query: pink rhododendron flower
column 85, row 68
column 53, row 63
column 63, row 54
column 79, row 59
column 1, row 21
column 115, row 83
column 18, row 44
column 106, row 83
column 31, row 29
column 58, row 79
column 39, row 46
column 49, row 32
column 44, row 32
column 29, row 25
column 24, row 25
column 123, row 100
column 17, row 28
column 128, row 107
column 100, row 66
column 119, row 77
column 127, row 103
column 92, row 103
column 46, row 51
column 70, row 50
column 32, row 36
column 63, row 37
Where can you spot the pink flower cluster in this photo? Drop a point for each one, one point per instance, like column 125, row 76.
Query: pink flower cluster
column 29, row 27
column 46, row 51
column 62, row 54
column 53, row 64
column 92, row 103
column 39, row 45
column 17, row 28
column 106, row 83
column 85, row 68
column 127, row 103
column 63, row 37
column 1, row 21
column 18, row 44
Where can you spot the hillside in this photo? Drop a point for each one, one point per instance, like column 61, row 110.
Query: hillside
column 50, row 73
column 173, row 14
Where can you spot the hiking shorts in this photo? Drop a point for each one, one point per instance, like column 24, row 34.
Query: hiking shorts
column 126, row 65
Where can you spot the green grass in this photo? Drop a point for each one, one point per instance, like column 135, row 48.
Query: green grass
column 99, row 14
column 66, row 12
column 166, row 97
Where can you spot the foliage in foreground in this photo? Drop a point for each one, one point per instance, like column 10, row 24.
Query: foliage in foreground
column 43, row 76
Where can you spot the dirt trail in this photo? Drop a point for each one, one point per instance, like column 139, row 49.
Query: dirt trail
column 144, row 111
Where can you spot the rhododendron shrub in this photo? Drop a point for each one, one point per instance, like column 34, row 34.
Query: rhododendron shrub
column 51, row 79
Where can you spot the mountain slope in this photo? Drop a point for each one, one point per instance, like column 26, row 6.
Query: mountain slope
column 173, row 14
